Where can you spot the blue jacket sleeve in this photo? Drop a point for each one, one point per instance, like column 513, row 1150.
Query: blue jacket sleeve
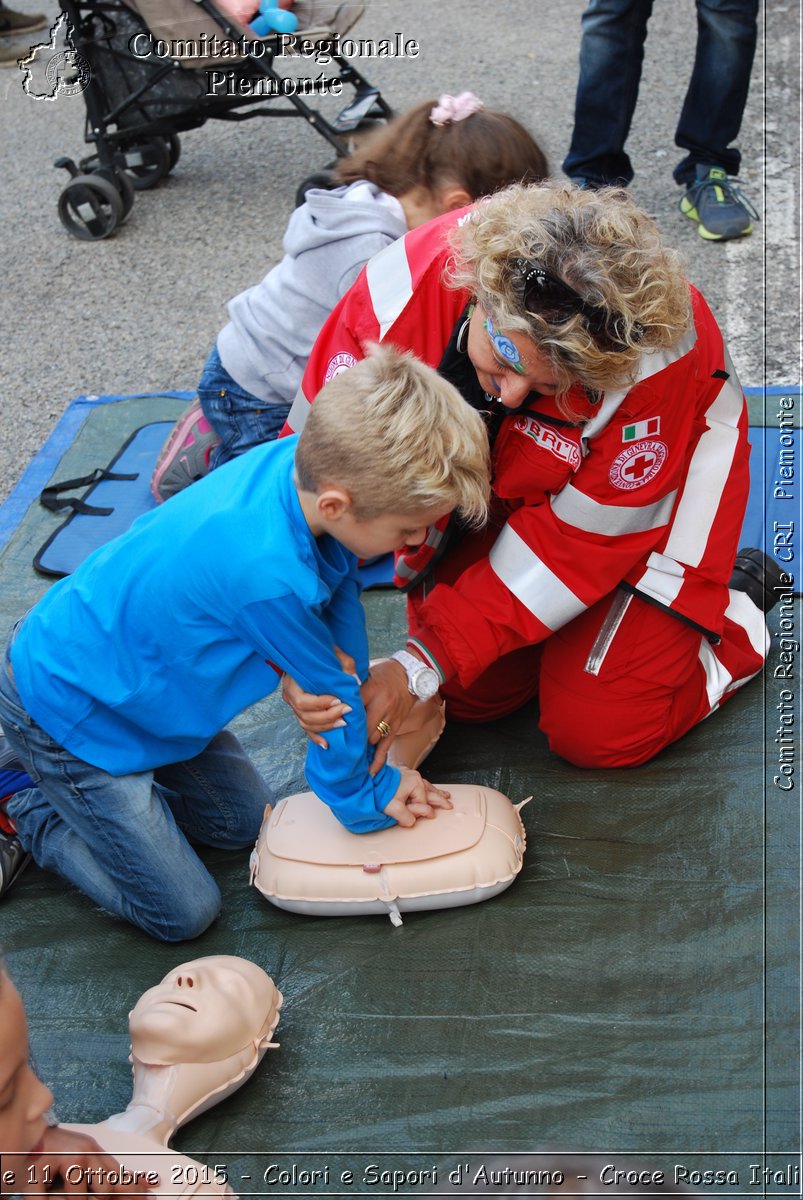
column 345, row 617
column 298, row 640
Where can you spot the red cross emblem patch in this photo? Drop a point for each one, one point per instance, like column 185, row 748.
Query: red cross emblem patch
column 637, row 464
column 338, row 364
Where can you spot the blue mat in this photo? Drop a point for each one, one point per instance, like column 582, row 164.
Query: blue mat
column 108, row 507
column 40, row 470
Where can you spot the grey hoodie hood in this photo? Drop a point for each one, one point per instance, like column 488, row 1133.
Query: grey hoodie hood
column 273, row 326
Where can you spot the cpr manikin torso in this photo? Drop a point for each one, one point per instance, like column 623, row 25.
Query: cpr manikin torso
column 195, row 1038
column 305, row 861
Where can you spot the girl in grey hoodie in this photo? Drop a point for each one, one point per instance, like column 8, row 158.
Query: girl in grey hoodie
column 436, row 157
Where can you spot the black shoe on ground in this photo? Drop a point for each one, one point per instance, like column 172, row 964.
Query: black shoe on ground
column 14, row 23
column 13, row 860
column 759, row 575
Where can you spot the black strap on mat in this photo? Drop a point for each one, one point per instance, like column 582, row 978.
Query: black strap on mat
column 130, row 468
column 51, row 496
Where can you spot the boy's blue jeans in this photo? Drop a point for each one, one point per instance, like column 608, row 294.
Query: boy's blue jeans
column 122, row 840
column 611, row 55
column 240, row 419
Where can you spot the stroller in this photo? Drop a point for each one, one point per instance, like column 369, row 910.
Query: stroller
column 145, row 78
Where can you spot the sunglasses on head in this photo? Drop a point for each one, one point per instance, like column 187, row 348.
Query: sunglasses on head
column 551, row 298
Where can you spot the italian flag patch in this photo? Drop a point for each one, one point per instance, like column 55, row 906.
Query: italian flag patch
column 641, row 429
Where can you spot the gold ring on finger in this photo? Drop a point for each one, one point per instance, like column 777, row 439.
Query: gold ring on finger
column 383, row 728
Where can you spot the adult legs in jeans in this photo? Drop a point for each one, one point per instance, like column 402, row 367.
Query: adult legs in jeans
column 714, row 105
column 240, row 419
column 611, row 56
column 123, row 840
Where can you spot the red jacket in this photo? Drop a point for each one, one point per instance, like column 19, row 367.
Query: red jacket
column 649, row 491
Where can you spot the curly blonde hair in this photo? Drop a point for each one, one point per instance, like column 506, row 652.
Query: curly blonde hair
column 599, row 243
column 399, row 438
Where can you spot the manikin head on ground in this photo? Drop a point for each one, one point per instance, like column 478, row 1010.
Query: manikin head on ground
column 195, row 1038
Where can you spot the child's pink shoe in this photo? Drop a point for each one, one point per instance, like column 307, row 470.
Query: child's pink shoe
column 185, row 455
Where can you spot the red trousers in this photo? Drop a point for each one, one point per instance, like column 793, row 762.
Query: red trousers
column 617, row 684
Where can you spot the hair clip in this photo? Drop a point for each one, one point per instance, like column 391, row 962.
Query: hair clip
column 554, row 300
column 530, row 271
column 451, row 109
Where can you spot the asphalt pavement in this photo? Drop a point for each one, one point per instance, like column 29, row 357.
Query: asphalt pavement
column 139, row 311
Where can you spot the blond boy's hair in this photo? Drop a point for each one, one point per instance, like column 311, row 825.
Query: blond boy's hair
column 399, row 438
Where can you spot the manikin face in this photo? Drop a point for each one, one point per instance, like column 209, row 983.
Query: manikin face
column 202, row 1012
column 511, row 376
column 24, row 1099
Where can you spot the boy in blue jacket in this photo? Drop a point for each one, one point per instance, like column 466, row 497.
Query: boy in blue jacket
column 118, row 684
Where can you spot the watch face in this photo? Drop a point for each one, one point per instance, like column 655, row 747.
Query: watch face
column 425, row 683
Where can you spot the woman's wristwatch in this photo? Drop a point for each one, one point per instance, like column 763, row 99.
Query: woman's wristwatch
column 422, row 681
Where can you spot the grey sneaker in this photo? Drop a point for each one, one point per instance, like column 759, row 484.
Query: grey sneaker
column 719, row 208
column 13, row 860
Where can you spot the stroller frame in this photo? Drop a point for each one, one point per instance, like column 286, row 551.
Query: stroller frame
column 135, row 136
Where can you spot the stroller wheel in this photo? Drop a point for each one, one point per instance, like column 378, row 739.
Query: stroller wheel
column 173, row 149
column 147, row 163
column 319, row 179
column 122, row 181
column 90, row 207
column 126, row 189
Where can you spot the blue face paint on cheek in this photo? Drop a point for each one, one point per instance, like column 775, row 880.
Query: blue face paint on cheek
column 503, row 346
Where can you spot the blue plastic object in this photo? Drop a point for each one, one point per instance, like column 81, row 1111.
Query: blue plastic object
column 272, row 19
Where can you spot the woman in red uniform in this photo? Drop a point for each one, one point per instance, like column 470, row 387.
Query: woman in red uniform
column 605, row 583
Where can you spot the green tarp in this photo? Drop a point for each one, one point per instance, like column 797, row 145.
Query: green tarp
column 632, row 998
